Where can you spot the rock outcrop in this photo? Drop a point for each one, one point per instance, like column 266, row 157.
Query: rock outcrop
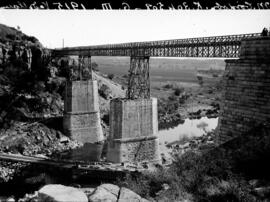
column 102, row 193
column 113, row 193
column 105, row 192
column 61, row 193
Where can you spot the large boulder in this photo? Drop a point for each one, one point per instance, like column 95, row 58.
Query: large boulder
column 128, row 195
column 111, row 188
column 112, row 193
column 105, row 192
column 61, row 193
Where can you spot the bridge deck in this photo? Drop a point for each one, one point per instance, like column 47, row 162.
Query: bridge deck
column 216, row 46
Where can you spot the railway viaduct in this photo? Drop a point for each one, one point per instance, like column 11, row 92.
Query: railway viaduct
column 133, row 120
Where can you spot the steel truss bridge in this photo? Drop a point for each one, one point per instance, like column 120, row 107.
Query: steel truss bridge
column 140, row 52
column 216, row 46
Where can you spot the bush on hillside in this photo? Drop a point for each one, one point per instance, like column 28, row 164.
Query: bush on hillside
column 154, row 185
column 222, row 174
column 24, row 85
column 11, row 36
column 104, row 91
column 168, row 86
column 94, row 66
column 200, row 80
column 178, row 91
column 111, row 76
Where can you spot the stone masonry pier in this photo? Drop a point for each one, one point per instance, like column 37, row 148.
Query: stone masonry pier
column 246, row 94
column 133, row 131
column 81, row 111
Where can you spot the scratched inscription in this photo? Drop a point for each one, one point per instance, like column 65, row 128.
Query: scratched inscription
column 124, row 5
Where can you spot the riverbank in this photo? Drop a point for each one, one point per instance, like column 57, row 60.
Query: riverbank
column 236, row 171
column 178, row 101
column 60, row 193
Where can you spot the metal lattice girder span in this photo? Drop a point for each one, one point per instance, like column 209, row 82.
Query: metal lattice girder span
column 216, row 46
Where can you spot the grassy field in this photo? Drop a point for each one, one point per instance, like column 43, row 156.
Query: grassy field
column 161, row 69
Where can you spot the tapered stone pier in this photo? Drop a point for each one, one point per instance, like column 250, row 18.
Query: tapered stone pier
column 81, row 111
column 133, row 131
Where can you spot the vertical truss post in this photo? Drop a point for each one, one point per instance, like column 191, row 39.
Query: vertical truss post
column 80, row 63
column 90, row 67
column 138, row 80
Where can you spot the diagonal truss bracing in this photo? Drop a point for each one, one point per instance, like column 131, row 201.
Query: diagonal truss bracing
column 138, row 79
column 82, row 71
column 216, row 46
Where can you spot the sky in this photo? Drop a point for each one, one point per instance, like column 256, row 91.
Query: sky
column 97, row 27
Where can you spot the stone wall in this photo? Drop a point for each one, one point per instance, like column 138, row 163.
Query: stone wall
column 81, row 111
column 246, row 94
column 133, row 131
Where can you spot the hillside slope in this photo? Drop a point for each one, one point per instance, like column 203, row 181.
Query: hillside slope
column 11, row 34
column 115, row 88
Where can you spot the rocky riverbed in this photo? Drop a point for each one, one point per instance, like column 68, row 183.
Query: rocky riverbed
column 61, row 193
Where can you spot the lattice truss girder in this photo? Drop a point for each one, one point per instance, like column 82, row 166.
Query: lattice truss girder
column 217, row 46
column 138, row 79
column 82, row 70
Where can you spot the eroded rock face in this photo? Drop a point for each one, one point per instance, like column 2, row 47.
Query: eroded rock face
column 61, row 193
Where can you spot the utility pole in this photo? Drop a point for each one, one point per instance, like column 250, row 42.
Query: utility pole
column 63, row 42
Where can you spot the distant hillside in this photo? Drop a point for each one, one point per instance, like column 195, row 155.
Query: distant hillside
column 10, row 34
column 174, row 69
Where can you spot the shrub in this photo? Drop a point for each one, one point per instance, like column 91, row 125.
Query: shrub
column 168, row 86
column 151, row 185
column 168, row 106
column 111, row 76
column 32, row 39
column 104, row 91
column 11, row 36
column 178, row 91
column 221, row 174
column 200, row 80
column 94, row 66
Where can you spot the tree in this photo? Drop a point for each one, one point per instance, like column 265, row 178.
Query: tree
column 200, row 79
column 178, row 91
column 94, row 66
column 111, row 76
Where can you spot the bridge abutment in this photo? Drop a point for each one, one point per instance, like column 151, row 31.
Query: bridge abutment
column 81, row 111
column 246, row 94
column 133, row 131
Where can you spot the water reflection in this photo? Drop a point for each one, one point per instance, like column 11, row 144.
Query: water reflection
column 88, row 152
column 190, row 128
